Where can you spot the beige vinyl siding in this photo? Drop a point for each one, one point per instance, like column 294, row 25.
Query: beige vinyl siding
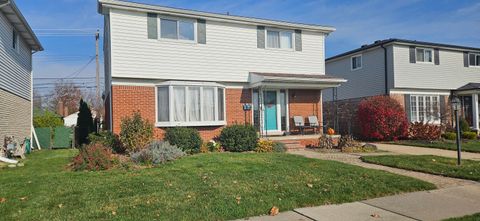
column 15, row 116
column 229, row 55
column 364, row 82
column 450, row 74
column 15, row 66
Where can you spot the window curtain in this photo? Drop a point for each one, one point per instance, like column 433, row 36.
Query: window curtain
column 286, row 39
column 163, row 115
column 208, row 104
column 194, row 103
column 179, row 103
column 273, row 39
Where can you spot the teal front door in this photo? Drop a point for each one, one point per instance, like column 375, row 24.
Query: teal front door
column 270, row 119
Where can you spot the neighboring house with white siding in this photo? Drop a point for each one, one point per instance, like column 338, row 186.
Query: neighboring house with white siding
column 197, row 69
column 17, row 44
column 420, row 75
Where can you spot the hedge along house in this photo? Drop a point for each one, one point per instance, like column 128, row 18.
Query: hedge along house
column 421, row 76
column 17, row 44
column 183, row 68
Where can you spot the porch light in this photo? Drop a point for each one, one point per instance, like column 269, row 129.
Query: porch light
column 456, row 106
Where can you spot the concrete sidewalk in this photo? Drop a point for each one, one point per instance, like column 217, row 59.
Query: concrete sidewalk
column 425, row 205
column 414, row 150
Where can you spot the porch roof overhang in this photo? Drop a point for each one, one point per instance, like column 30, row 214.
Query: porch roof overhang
column 470, row 88
column 293, row 81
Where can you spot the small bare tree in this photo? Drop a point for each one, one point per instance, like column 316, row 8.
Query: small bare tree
column 67, row 93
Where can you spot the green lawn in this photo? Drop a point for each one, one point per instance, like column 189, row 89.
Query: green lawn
column 430, row 164
column 474, row 217
column 467, row 145
column 216, row 186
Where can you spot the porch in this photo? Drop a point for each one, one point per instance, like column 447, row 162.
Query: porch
column 279, row 98
column 469, row 97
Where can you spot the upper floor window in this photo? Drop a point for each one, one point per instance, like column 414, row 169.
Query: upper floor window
column 424, row 55
column 177, row 29
column 14, row 39
column 356, row 62
column 279, row 39
column 474, row 59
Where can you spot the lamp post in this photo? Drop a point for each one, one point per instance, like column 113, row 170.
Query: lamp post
column 456, row 104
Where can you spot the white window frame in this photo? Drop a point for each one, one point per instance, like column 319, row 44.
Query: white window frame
column 186, row 85
column 361, row 62
column 424, row 53
column 177, row 19
column 423, row 98
column 280, row 31
column 475, row 65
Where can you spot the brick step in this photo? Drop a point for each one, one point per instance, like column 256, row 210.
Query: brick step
column 292, row 145
column 290, row 141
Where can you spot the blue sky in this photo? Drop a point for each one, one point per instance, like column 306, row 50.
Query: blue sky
column 357, row 23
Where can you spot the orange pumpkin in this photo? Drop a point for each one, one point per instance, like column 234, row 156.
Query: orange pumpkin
column 330, row 131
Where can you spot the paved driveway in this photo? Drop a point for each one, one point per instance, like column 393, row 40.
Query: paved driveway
column 413, row 150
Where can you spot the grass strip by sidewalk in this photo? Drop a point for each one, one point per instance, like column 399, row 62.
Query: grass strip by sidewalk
column 430, row 164
column 467, row 145
column 213, row 186
column 474, row 217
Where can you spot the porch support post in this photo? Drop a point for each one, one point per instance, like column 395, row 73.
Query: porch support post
column 475, row 112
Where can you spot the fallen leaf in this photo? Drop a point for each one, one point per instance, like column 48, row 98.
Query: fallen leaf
column 2, row 200
column 114, row 213
column 23, row 198
column 434, row 160
column 274, row 211
column 309, row 185
column 60, row 205
column 375, row 215
column 188, row 196
column 235, row 182
column 238, row 198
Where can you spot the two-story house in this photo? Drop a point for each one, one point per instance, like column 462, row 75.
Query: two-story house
column 17, row 44
column 195, row 69
column 422, row 76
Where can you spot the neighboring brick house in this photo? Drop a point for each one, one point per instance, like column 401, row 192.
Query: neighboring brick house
column 17, row 43
column 183, row 68
column 422, row 76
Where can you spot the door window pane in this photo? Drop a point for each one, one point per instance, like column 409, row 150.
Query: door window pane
column 286, row 39
column 273, row 39
column 283, row 109
column 168, row 28
column 163, row 108
column 194, row 103
column 256, row 109
column 220, row 105
column 208, row 104
column 179, row 104
column 186, row 30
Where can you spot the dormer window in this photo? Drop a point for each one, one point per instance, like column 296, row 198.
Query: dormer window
column 356, row 62
column 279, row 39
column 177, row 29
column 424, row 55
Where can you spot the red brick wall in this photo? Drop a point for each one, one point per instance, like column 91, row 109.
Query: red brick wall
column 304, row 103
column 128, row 99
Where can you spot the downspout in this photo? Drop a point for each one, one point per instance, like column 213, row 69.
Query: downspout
column 5, row 4
column 386, row 68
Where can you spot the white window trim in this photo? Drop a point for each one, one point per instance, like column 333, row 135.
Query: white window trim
column 424, row 52
column 476, row 55
column 178, row 40
column 361, row 62
column 201, row 85
column 280, row 43
column 417, row 117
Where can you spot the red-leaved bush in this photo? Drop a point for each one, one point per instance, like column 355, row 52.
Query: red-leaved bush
column 382, row 118
column 93, row 157
column 421, row 131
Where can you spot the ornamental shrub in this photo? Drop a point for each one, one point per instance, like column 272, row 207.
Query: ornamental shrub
column 187, row 139
column 238, row 138
column 135, row 132
column 347, row 141
column 93, row 157
column 464, row 127
column 108, row 139
column 424, row 131
column 279, row 147
column 85, row 124
column 158, row 152
column 382, row 118
column 325, row 142
column 264, row 146
column 449, row 135
column 469, row 135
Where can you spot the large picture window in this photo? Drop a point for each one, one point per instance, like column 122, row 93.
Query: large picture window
column 192, row 105
column 425, row 108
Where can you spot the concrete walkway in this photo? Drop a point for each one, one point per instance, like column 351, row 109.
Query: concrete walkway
column 413, row 150
column 425, row 205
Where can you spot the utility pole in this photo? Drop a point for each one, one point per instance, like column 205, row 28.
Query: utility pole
column 97, row 37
